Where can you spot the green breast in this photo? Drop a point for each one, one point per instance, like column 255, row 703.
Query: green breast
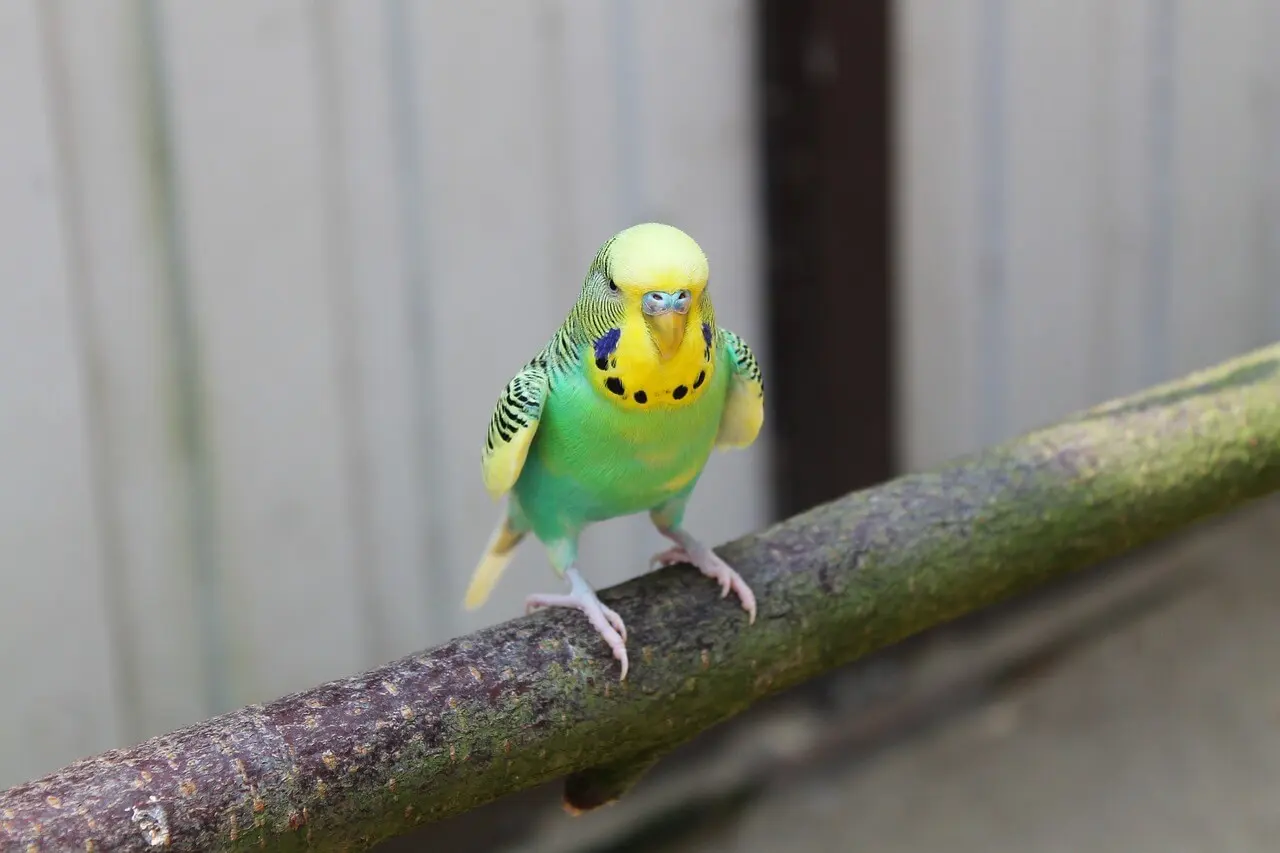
column 592, row 460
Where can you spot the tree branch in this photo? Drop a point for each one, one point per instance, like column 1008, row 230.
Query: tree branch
column 354, row 761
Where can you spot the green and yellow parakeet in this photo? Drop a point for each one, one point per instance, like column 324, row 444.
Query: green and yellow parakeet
column 617, row 415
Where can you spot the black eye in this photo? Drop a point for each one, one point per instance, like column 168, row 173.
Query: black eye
column 613, row 286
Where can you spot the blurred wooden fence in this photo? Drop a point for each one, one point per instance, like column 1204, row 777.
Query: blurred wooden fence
column 1089, row 197
column 265, row 268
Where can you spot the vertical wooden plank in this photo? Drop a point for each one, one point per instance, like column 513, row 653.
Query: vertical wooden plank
column 365, row 236
column 992, row 178
column 828, row 192
column 698, row 138
column 1159, row 102
column 104, row 129
column 245, row 109
column 938, row 249
column 1116, row 346
column 1219, row 301
column 1052, row 271
column 483, row 246
column 1265, row 83
column 56, row 657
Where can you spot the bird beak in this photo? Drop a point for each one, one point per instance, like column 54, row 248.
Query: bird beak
column 668, row 331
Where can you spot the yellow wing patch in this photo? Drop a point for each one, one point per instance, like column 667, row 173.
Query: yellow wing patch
column 503, row 466
column 512, row 428
column 744, row 408
column 743, row 414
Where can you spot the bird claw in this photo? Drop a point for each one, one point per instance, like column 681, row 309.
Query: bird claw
column 710, row 564
column 604, row 619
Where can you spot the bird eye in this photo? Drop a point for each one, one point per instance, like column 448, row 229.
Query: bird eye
column 613, row 286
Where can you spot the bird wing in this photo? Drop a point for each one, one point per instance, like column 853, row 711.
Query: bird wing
column 744, row 408
column 512, row 427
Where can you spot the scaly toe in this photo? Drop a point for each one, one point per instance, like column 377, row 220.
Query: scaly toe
column 748, row 599
column 615, row 620
column 609, row 625
column 713, row 567
column 543, row 599
column 670, row 557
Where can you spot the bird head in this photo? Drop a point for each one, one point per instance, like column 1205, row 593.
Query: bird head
column 658, row 274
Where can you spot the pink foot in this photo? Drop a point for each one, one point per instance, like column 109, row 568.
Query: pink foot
column 581, row 597
column 713, row 567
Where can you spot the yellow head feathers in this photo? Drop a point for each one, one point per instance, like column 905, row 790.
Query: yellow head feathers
column 653, row 256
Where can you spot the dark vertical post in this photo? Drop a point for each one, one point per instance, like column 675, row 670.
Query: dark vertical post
column 828, row 184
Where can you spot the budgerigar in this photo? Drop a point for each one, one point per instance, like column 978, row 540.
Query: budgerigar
column 617, row 415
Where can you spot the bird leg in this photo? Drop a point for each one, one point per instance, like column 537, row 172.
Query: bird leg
column 582, row 597
column 689, row 550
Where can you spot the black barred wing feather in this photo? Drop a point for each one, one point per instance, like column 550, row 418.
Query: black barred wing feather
column 744, row 409
column 512, row 427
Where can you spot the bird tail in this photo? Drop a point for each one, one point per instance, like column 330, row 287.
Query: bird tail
column 501, row 547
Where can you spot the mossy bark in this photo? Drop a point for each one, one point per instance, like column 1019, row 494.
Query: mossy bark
column 358, row 760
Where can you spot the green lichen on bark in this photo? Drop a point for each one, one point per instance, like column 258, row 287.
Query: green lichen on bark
column 358, row 760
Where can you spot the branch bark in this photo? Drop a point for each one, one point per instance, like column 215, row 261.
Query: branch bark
column 354, row 761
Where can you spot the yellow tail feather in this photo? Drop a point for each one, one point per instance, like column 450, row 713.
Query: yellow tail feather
column 501, row 547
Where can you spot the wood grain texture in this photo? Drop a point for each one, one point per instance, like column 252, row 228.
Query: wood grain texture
column 1050, row 244
column 938, row 302
column 245, row 106
column 57, row 653
column 367, row 186
column 112, row 179
column 1220, row 166
column 1073, row 177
